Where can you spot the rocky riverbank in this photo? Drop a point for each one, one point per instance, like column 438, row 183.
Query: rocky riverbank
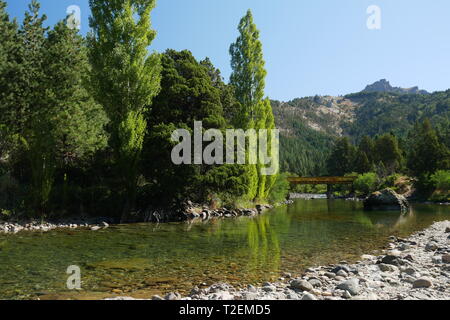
column 417, row 268
column 37, row 226
column 191, row 212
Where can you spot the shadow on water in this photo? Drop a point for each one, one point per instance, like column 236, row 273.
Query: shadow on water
column 145, row 259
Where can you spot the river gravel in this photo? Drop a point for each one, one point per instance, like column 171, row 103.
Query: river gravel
column 417, row 268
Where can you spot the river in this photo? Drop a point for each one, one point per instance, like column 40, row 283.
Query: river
column 140, row 260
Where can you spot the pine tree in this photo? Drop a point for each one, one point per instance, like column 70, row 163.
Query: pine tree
column 427, row 154
column 362, row 164
column 9, row 50
column 367, row 145
column 388, row 152
column 126, row 78
column 77, row 122
column 342, row 158
column 31, row 112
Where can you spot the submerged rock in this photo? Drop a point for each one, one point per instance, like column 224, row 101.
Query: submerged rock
column 386, row 199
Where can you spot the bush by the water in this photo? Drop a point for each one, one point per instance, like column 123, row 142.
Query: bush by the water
column 367, row 183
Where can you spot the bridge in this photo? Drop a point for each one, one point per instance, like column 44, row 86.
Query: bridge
column 329, row 181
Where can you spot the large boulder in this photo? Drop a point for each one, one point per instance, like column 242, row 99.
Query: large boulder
column 386, row 199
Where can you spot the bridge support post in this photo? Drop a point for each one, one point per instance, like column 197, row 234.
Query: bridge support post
column 329, row 191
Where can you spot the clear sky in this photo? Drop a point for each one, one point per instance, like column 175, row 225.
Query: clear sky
column 310, row 46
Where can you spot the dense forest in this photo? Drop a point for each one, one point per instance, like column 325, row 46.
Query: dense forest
column 86, row 123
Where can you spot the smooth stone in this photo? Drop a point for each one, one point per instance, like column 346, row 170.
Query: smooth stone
column 315, row 283
column 309, row 296
column 351, row 285
column 172, row 296
column 446, row 258
column 422, row 283
column 342, row 273
column 347, row 295
column 301, row 285
column 431, row 246
column 387, row 267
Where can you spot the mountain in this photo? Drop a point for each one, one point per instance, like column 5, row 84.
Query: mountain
column 309, row 126
column 384, row 86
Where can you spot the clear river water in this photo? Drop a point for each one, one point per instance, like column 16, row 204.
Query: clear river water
column 140, row 260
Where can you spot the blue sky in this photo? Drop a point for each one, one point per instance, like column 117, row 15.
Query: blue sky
column 310, row 46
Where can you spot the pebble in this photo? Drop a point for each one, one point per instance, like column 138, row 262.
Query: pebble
column 422, row 283
column 301, row 285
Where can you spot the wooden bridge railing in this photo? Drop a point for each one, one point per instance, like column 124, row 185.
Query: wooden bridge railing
column 322, row 180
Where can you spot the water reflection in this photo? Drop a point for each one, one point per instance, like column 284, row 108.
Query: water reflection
column 177, row 256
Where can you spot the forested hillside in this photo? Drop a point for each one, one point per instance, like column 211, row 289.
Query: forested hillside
column 309, row 126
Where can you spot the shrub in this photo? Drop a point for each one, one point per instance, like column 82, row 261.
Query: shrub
column 441, row 180
column 280, row 189
column 367, row 183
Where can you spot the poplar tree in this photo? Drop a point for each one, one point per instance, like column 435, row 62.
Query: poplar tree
column 248, row 82
column 126, row 78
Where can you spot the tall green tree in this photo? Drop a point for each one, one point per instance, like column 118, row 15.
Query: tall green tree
column 362, row 163
column 248, row 81
column 427, row 154
column 341, row 160
column 248, row 76
column 126, row 78
column 32, row 110
column 9, row 50
column 367, row 145
column 388, row 152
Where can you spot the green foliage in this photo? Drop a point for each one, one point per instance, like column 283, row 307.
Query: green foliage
column 125, row 79
column 367, row 183
column 342, row 157
column 280, row 189
column 441, row 180
column 248, row 76
column 248, row 82
column 189, row 93
column 387, row 151
column 427, row 154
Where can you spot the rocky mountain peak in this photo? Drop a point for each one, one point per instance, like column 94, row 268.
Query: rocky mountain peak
column 384, row 86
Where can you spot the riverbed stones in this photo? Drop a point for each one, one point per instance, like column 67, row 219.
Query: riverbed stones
column 342, row 273
column 172, row 296
column 387, row 267
column 316, row 283
column 301, row 284
column 309, row 296
column 446, row 258
column 422, row 283
column 391, row 259
column 351, row 285
column 431, row 246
